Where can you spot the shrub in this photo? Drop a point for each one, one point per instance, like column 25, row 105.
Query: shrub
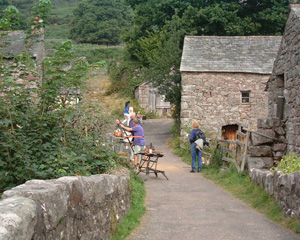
column 288, row 164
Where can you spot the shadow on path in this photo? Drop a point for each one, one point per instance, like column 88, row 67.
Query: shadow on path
column 189, row 207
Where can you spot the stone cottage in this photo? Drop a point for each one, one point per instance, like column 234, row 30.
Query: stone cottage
column 283, row 121
column 150, row 100
column 224, row 81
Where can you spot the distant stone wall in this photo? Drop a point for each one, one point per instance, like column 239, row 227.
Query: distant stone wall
column 214, row 99
column 284, row 187
column 285, row 81
column 150, row 100
column 142, row 96
column 65, row 208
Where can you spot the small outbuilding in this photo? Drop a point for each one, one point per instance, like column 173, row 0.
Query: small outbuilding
column 150, row 100
column 224, row 81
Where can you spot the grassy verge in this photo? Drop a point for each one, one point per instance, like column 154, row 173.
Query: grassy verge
column 241, row 187
column 136, row 211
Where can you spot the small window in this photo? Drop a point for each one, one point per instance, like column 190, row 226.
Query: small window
column 245, row 97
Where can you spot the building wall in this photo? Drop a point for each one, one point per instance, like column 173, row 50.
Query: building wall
column 142, row 96
column 150, row 100
column 214, row 99
column 285, row 81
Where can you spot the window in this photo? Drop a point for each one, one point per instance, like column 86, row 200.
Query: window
column 245, row 97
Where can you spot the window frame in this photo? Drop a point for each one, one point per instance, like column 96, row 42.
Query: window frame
column 245, row 97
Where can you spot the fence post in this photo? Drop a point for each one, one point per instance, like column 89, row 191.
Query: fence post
column 238, row 147
column 245, row 151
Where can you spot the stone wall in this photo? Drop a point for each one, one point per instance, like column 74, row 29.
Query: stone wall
column 214, row 99
column 285, row 81
column 264, row 152
column 142, row 96
column 150, row 100
column 284, row 187
column 66, row 208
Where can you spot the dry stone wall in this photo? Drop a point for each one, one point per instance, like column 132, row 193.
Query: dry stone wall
column 215, row 99
column 65, row 208
column 285, row 81
column 265, row 151
column 142, row 95
column 284, row 187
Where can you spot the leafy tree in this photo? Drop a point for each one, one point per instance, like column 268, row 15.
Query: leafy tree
column 3, row 4
column 11, row 19
column 99, row 21
column 164, row 61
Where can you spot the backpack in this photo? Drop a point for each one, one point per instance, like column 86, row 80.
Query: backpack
column 201, row 135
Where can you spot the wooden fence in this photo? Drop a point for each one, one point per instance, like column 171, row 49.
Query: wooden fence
column 235, row 151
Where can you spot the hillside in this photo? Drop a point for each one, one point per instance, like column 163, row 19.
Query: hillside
column 60, row 18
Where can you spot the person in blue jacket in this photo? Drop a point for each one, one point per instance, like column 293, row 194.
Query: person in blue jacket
column 126, row 114
column 195, row 151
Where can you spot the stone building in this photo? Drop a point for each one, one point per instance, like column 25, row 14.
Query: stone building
column 150, row 100
column 224, row 81
column 283, row 121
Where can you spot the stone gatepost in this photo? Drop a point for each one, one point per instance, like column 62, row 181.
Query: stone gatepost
column 265, row 151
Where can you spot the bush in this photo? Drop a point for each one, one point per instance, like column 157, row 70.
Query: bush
column 124, row 78
column 288, row 164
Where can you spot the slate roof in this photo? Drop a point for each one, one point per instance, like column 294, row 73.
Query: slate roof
column 296, row 9
column 244, row 54
column 17, row 45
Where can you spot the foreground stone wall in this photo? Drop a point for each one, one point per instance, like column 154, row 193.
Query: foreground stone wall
column 284, row 187
column 65, row 208
column 214, row 99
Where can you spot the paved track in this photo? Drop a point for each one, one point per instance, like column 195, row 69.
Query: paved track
column 189, row 207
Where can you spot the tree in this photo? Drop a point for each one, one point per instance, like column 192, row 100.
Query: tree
column 10, row 19
column 3, row 5
column 99, row 21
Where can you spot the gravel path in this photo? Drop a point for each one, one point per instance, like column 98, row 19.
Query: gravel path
column 189, row 207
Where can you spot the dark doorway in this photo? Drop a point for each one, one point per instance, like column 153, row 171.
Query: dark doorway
column 229, row 132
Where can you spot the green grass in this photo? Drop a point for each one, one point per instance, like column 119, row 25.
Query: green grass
column 57, row 31
column 93, row 52
column 136, row 211
column 60, row 20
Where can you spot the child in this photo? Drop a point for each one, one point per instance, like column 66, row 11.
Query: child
column 139, row 116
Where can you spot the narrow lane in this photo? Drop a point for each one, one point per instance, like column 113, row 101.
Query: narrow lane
column 189, row 207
